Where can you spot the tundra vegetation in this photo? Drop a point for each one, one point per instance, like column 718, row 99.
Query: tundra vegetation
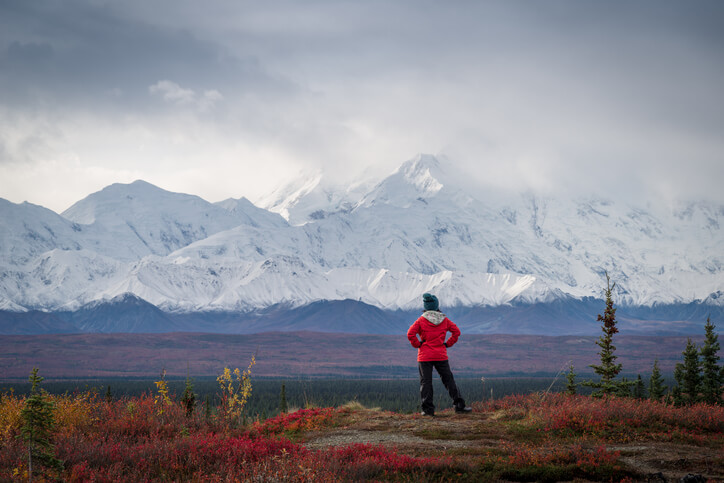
column 88, row 435
column 539, row 436
column 614, row 434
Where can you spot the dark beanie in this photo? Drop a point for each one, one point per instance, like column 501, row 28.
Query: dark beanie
column 430, row 302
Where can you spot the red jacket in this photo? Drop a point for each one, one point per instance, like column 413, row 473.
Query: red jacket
column 432, row 327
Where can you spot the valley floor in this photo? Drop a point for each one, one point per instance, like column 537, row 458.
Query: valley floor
column 315, row 354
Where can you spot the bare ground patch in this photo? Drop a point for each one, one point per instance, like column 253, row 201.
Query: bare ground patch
column 482, row 434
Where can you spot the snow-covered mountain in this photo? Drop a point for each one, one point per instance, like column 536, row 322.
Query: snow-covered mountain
column 311, row 198
column 420, row 229
column 131, row 221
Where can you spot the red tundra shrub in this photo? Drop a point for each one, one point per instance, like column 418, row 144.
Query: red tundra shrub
column 527, row 455
column 613, row 418
column 302, row 420
column 364, row 461
column 128, row 440
column 625, row 418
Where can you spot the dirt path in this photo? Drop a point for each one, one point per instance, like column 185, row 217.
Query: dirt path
column 479, row 434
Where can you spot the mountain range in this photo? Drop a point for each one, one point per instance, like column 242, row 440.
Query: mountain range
column 136, row 258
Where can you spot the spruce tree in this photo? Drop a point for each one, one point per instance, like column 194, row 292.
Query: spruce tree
column 711, row 379
column 38, row 425
column 608, row 369
column 109, row 396
column 571, row 382
column 687, row 375
column 189, row 398
column 283, row 408
column 656, row 383
column 638, row 390
column 623, row 388
column 676, row 394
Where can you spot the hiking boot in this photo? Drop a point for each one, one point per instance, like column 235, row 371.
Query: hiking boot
column 464, row 410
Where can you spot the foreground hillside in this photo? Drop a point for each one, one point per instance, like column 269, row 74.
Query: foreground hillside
column 545, row 437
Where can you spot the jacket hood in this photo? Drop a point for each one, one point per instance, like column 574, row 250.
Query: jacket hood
column 434, row 317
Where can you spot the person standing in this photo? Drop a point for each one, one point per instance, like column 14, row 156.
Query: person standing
column 428, row 335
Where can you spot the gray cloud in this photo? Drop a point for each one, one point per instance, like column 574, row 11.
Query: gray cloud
column 171, row 92
column 567, row 96
column 75, row 52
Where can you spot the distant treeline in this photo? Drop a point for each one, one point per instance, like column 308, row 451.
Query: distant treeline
column 394, row 395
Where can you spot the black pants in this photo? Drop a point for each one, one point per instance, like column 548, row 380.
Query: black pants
column 442, row 368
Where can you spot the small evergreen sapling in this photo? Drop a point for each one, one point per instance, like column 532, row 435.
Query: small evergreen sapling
column 711, row 379
column 656, row 383
column 38, row 426
column 283, row 407
column 571, row 382
column 639, row 389
column 189, row 398
column 624, row 387
column 688, row 377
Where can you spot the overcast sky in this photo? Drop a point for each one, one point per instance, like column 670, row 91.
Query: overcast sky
column 230, row 99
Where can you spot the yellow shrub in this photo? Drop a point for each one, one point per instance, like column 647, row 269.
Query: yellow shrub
column 10, row 420
column 162, row 399
column 75, row 412
column 235, row 390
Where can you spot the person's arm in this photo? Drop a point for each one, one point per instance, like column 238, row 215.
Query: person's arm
column 454, row 333
column 412, row 335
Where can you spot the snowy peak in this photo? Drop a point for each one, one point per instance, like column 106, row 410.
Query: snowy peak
column 251, row 214
column 420, row 179
column 28, row 230
column 121, row 201
column 312, row 198
column 286, row 198
column 413, row 181
column 424, row 173
column 139, row 219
